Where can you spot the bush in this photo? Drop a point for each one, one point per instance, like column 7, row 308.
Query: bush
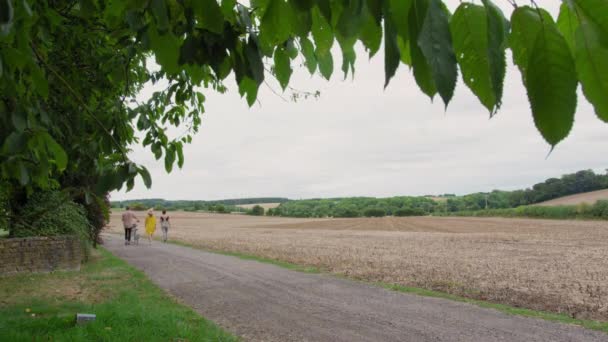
column 256, row 211
column 374, row 212
column 346, row 212
column 51, row 213
column 600, row 209
column 409, row 212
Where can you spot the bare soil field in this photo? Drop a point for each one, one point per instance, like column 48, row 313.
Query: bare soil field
column 266, row 206
column 559, row 266
column 587, row 197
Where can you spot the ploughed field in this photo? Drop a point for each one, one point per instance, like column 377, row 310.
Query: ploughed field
column 559, row 266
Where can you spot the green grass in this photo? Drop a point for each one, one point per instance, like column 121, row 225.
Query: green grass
column 3, row 233
column 128, row 307
column 595, row 325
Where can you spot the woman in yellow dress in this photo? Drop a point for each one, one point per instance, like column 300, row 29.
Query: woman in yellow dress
column 150, row 225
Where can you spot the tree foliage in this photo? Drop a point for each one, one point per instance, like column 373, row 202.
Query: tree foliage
column 569, row 184
column 70, row 69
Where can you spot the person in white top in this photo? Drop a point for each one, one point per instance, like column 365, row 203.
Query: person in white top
column 165, row 224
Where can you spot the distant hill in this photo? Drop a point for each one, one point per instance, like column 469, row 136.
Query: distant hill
column 586, row 197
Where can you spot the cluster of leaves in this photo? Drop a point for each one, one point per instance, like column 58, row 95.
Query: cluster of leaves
column 51, row 213
column 256, row 211
column 374, row 212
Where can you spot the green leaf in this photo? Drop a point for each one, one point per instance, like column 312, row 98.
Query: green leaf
column 391, row 51
column 166, row 48
column 302, row 5
column 55, row 150
column 470, row 35
column 351, row 18
column 130, row 184
column 169, row 158
column 435, row 42
column 308, row 50
column 321, row 33
column 6, row 12
column 180, row 155
column 525, row 25
column 210, row 15
column 24, row 177
column 282, row 67
column 19, row 121
column 371, row 34
column 551, row 82
column 349, row 55
column 254, row 60
column 498, row 29
column 159, row 9
column 145, row 176
column 302, row 22
column 398, row 11
column 107, row 182
column 249, row 87
column 567, row 23
column 404, row 51
column 596, row 11
column 40, row 83
column 422, row 71
column 277, row 23
column 592, row 67
column 14, row 143
column 326, row 64
column 228, row 10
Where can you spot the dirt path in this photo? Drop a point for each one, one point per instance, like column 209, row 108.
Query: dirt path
column 262, row 302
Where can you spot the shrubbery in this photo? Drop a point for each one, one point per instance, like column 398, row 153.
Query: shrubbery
column 256, row 211
column 409, row 212
column 598, row 210
column 52, row 213
column 374, row 212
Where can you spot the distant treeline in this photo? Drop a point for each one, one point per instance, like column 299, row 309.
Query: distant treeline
column 598, row 211
column 472, row 204
column 582, row 181
column 355, row 207
column 220, row 206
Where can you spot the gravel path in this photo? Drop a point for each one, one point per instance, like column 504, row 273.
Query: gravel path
column 262, row 302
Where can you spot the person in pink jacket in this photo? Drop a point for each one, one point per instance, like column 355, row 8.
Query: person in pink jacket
column 129, row 221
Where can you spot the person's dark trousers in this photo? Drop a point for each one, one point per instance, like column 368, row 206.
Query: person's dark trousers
column 128, row 235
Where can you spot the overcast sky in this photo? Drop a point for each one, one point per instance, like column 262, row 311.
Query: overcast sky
column 358, row 139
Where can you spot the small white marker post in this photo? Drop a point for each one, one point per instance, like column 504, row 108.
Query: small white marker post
column 83, row 318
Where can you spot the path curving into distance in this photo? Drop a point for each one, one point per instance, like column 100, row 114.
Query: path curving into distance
column 263, row 302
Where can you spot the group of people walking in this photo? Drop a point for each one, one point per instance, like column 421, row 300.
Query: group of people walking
column 130, row 221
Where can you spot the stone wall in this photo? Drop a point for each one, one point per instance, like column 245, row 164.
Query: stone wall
column 40, row 254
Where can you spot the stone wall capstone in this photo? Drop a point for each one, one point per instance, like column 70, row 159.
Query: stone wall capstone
column 40, row 254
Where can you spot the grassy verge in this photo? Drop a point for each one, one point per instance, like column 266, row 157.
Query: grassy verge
column 595, row 325
column 128, row 307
